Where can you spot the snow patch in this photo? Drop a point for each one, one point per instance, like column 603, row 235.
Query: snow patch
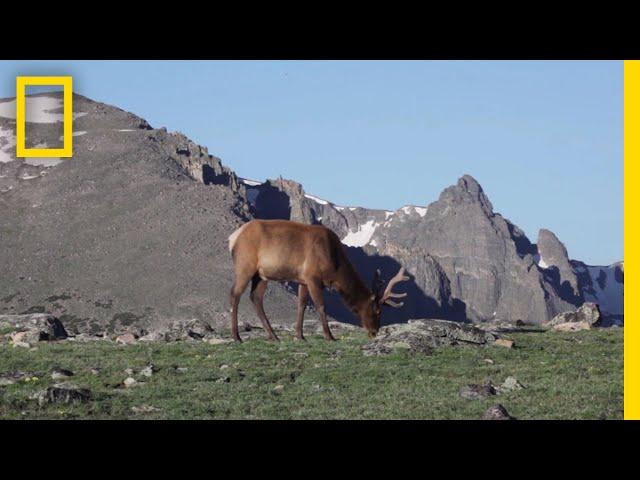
column 316, row 199
column 422, row 211
column 362, row 236
column 37, row 110
column 7, row 145
column 79, row 133
column 540, row 261
column 388, row 214
column 251, row 183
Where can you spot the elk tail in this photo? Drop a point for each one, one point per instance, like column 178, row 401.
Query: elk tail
column 234, row 236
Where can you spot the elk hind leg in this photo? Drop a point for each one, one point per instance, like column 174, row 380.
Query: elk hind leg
column 303, row 295
column 258, row 289
column 239, row 285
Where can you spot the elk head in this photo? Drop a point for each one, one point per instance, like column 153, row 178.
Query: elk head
column 379, row 297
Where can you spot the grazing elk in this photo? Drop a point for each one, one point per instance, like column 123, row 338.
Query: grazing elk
column 312, row 256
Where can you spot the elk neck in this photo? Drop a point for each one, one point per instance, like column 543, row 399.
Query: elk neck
column 351, row 287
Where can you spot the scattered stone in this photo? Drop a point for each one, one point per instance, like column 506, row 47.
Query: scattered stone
column 181, row 369
column 63, row 393
column 95, row 371
column 224, row 367
column 472, row 392
column 36, row 327
column 58, row 373
column 218, row 341
column 497, row 412
column 10, row 378
column 129, row 382
column 510, row 384
column 334, row 325
column 126, row 339
column 503, row 342
column 18, row 339
column 571, row 326
column 278, row 388
column 145, row 409
column 188, row 330
column 588, row 315
column 420, row 336
column 489, row 361
column 149, row 370
column 225, row 379
column 128, row 371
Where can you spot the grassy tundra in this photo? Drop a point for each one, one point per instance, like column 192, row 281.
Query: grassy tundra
column 567, row 376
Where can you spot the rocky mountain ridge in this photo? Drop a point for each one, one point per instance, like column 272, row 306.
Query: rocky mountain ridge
column 132, row 231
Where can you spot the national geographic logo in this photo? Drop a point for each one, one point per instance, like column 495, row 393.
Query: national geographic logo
column 67, row 147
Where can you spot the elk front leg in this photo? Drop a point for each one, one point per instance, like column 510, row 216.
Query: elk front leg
column 303, row 295
column 258, row 289
column 315, row 290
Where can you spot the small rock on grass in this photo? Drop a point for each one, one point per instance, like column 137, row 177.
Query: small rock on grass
column 511, row 383
column 126, row 339
column 58, row 373
column 149, row 370
column 497, row 412
column 63, row 393
column 129, row 382
column 472, row 392
column 278, row 388
column 503, row 342
column 145, row 409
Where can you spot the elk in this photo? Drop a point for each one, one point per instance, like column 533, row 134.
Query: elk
column 312, row 256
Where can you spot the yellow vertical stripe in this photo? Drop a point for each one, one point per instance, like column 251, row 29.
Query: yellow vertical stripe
column 631, row 233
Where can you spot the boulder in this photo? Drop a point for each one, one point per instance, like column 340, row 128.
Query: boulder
column 420, row 336
column 497, row 412
column 472, row 392
column 571, row 326
column 126, row 339
column 585, row 317
column 63, row 393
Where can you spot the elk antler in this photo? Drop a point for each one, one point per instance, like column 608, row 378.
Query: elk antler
column 388, row 294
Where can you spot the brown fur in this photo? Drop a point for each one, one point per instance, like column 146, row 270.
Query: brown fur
column 311, row 255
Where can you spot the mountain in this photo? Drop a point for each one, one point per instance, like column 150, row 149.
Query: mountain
column 132, row 231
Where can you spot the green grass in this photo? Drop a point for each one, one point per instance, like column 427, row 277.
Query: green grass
column 567, row 376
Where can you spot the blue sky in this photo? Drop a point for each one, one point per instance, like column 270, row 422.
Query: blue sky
column 544, row 139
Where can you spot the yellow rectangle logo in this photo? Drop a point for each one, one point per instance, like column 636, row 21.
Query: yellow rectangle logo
column 67, row 117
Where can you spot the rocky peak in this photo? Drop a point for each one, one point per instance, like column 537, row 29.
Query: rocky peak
column 553, row 256
column 466, row 190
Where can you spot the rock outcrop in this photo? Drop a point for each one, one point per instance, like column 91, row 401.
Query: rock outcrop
column 420, row 336
column 487, row 260
column 584, row 318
